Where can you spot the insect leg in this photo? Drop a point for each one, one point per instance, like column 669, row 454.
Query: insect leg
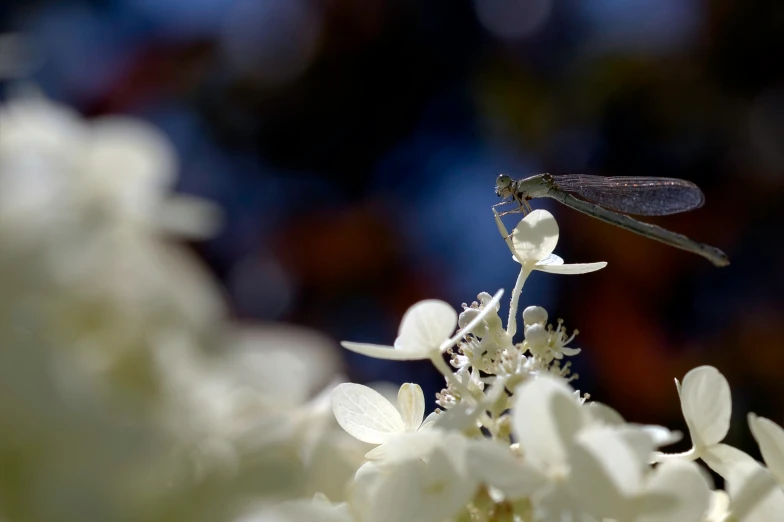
column 518, row 209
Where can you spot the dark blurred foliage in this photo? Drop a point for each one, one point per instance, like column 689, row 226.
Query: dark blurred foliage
column 354, row 146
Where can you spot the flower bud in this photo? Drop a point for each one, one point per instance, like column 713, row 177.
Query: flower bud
column 537, row 339
column 485, row 298
column 534, row 315
column 467, row 316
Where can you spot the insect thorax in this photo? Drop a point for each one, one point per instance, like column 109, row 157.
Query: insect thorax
column 533, row 187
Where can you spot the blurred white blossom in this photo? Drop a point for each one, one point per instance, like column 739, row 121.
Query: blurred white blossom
column 125, row 394
column 63, row 172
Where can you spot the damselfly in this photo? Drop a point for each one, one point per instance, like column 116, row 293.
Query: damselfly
column 611, row 198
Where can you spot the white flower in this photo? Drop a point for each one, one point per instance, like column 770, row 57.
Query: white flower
column 707, row 407
column 370, row 417
column 532, row 243
column 753, row 493
column 424, row 332
column 482, row 351
column 435, row 486
column 770, row 438
column 611, row 480
column 495, row 465
column 534, row 240
column 547, row 343
column 545, row 419
column 764, row 498
column 569, row 445
column 260, row 398
column 60, row 170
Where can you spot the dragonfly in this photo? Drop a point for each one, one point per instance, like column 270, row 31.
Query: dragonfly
column 610, row 199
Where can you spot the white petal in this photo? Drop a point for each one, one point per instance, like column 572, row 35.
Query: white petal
column 495, row 465
column 362, row 490
column 461, row 417
column 706, row 405
column 600, row 413
column 754, row 492
column 545, row 417
column 365, row 414
column 552, row 260
column 425, row 326
column 535, row 237
column 557, row 504
column 756, row 496
column 411, row 402
column 605, row 475
column 446, row 488
column 413, row 490
column 388, row 494
column 677, row 490
column 727, row 461
column 720, row 507
column 661, row 436
column 430, row 420
column 409, row 445
column 571, row 268
column 639, row 440
column 380, row 351
column 400, row 495
column 770, row 438
column 622, row 462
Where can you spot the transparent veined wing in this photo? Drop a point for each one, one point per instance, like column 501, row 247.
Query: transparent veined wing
column 642, row 196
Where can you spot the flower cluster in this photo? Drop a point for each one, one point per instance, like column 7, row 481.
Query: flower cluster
column 125, row 392
column 511, row 439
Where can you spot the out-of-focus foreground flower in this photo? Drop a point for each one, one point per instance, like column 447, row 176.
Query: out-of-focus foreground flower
column 125, row 394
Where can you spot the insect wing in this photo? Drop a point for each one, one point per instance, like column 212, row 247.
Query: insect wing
column 642, row 196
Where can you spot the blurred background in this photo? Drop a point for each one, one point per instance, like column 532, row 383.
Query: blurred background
column 353, row 147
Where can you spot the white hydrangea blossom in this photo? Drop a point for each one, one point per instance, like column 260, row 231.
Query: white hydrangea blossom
column 127, row 395
column 114, row 170
column 512, row 440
